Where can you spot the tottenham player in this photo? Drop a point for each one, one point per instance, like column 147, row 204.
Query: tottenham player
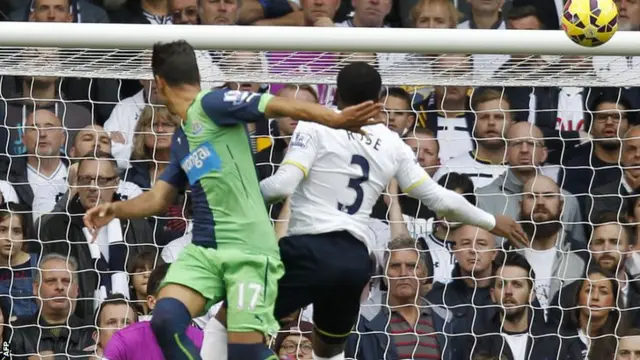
column 233, row 254
column 334, row 178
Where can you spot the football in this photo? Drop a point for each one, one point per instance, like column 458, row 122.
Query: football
column 590, row 22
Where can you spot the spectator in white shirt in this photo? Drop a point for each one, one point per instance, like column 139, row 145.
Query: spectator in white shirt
column 486, row 15
column 122, row 122
column 46, row 169
column 487, row 161
column 556, row 258
column 518, row 331
column 8, row 193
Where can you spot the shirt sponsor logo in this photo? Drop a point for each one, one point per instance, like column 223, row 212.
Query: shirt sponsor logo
column 300, row 140
column 201, row 161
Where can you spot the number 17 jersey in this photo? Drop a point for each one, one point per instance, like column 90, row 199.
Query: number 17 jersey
column 345, row 174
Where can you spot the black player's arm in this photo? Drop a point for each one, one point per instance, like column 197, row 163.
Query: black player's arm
column 354, row 116
column 302, row 110
column 397, row 225
column 152, row 202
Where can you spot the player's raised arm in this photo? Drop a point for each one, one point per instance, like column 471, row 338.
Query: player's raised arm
column 229, row 107
column 295, row 165
column 153, row 202
column 351, row 118
column 413, row 180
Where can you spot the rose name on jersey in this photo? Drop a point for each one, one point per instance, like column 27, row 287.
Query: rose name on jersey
column 368, row 139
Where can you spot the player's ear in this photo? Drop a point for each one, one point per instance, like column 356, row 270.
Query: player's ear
column 160, row 84
column 151, row 302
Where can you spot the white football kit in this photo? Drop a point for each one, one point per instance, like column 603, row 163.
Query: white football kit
column 335, row 177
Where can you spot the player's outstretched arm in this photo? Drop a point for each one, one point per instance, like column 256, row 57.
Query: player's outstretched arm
column 351, row 118
column 152, row 202
column 418, row 184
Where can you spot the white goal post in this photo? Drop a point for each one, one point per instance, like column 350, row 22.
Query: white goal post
column 122, row 51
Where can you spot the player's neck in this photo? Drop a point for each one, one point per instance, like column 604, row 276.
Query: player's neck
column 155, row 7
column 45, row 166
column 182, row 99
column 611, row 156
column 494, row 156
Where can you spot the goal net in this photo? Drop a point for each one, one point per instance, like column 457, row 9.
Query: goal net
column 522, row 123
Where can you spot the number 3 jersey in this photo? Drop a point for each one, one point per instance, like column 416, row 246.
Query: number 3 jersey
column 345, row 174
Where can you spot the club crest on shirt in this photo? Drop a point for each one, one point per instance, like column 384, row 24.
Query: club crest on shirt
column 300, row 140
column 196, row 128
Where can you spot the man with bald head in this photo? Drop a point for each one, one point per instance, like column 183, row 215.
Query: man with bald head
column 464, row 303
column 91, row 140
column 526, row 152
column 612, row 196
column 553, row 255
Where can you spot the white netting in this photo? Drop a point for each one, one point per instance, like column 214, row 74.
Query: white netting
column 322, row 67
column 564, row 106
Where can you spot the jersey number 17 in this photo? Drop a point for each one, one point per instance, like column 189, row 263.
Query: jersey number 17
column 356, row 185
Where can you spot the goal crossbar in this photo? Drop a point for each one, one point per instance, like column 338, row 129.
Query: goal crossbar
column 122, row 51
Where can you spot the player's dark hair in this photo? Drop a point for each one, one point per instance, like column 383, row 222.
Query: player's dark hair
column 455, row 181
column 399, row 93
column 358, row 82
column 113, row 299
column 175, row 63
column 512, row 259
column 156, row 277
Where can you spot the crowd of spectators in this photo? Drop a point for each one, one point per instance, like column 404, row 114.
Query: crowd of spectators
column 564, row 161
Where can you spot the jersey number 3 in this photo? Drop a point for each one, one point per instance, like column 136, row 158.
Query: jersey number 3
column 355, row 184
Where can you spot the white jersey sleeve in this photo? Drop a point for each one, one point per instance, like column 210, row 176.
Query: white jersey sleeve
column 303, row 147
column 413, row 180
column 410, row 174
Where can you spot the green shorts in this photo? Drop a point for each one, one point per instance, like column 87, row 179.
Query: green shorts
column 247, row 280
